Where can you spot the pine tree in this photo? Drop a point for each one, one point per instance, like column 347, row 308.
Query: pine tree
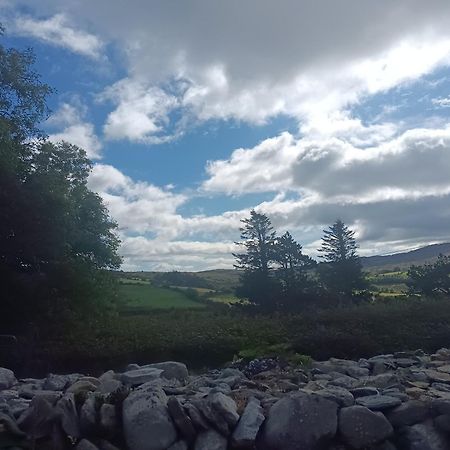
column 341, row 270
column 258, row 238
column 293, row 265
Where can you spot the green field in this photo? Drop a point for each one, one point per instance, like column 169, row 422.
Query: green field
column 141, row 297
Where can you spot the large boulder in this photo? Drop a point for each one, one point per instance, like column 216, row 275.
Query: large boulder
column 146, row 421
column 300, row 420
column 7, row 378
column 409, row 413
column 141, row 376
column 360, row 427
column 244, row 435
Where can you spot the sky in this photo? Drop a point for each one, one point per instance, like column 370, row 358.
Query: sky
column 194, row 112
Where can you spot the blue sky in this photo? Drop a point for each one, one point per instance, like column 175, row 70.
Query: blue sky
column 197, row 114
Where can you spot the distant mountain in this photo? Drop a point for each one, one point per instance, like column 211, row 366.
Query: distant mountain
column 405, row 259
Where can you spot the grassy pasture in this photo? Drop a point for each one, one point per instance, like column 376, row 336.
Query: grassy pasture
column 142, row 297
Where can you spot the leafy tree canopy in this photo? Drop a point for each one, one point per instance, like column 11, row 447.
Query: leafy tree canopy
column 56, row 236
column 430, row 279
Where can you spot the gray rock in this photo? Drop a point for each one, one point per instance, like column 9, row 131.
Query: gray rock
column 364, row 391
column 360, row 427
column 357, row 372
column 337, row 394
column 244, row 435
column 182, row 421
column 381, row 381
column 408, row 413
column 17, row 406
column 179, row 445
column 51, row 396
column 109, row 386
column 39, row 419
column 146, row 421
column 84, row 444
column 210, row 440
column 81, row 386
column 67, row 412
column 196, row 416
column 56, row 382
column 440, row 406
column 171, row 370
column 439, row 377
column 219, row 410
column 345, row 381
column 442, row 423
column 7, row 378
column 88, row 416
column 422, row 436
column 8, row 424
column 141, row 376
column 108, row 420
column 378, row 402
column 300, row 420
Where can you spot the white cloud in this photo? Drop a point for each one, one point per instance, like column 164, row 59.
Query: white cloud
column 255, row 60
column 142, row 112
column 74, row 129
column 58, row 31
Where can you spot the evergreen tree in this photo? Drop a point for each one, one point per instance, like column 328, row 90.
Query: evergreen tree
column 293, row 266
column 258, row 238
column 341, row 270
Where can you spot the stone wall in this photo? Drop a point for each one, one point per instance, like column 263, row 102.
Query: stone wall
column 399, row 401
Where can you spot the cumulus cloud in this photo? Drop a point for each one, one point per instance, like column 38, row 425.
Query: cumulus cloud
column 142, row 112
column 69, row 119
column 254, row 60
column 58, row 31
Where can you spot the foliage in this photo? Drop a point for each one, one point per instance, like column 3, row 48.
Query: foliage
column 430, row 279
column 341, row 270
column 22, row 94
column 258, row 238
column 210, row 336
column 292, row 270
column 274, row 269
column 56, row 235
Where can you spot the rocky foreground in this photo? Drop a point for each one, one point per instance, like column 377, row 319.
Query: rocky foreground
column 399, row 401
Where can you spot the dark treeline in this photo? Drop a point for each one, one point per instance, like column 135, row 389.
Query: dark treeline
column 277, row 275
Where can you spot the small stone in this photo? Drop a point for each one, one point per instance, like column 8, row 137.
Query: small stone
column 378, row 402
column 81, row 386
column 337, row 394
column 364, row 391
